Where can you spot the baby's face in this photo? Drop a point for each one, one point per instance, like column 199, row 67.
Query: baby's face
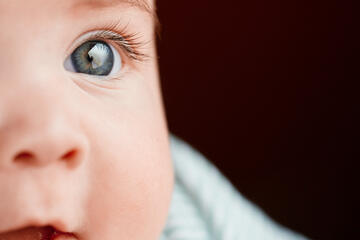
column 83, row 139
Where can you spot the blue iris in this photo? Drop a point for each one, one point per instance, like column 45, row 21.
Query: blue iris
column 94, row 58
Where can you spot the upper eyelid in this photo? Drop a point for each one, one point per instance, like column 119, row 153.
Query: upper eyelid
column 127, row 42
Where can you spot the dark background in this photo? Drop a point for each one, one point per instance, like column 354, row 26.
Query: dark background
column 267, row 91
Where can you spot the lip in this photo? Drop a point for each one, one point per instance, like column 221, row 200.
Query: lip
column 50, row 233
column 37, row 233
column 60, row 235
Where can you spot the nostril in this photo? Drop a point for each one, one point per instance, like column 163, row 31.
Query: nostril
column 24, row 156
column 71, row 158
column 28, row 158
column 69, row 155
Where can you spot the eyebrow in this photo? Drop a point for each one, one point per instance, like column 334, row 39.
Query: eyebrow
column 143, row 5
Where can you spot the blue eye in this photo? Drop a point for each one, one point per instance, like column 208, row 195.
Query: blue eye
column 93, row 58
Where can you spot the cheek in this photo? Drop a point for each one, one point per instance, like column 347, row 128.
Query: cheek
column 131, row 176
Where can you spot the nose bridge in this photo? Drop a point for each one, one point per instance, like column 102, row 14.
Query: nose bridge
column 37, row 126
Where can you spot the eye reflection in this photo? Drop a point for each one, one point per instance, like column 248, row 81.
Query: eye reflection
column 94, row 58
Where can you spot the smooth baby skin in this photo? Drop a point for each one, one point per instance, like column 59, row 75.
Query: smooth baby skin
column 87, row 155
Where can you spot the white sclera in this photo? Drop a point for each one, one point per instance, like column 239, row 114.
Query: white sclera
column 117, row 61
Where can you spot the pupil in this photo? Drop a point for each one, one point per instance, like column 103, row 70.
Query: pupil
column 89, row 58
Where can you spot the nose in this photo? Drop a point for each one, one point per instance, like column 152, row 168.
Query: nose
column 39, row 132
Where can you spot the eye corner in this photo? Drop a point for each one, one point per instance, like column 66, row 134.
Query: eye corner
column 68, row 65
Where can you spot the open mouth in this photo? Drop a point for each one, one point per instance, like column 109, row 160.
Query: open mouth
column 37, row 233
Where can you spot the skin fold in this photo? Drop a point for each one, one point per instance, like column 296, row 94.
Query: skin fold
column 85, row 154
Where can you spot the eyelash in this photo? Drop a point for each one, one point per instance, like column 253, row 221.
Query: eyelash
column 130, row 43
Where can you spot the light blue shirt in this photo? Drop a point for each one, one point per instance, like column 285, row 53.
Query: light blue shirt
column 205, row 205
